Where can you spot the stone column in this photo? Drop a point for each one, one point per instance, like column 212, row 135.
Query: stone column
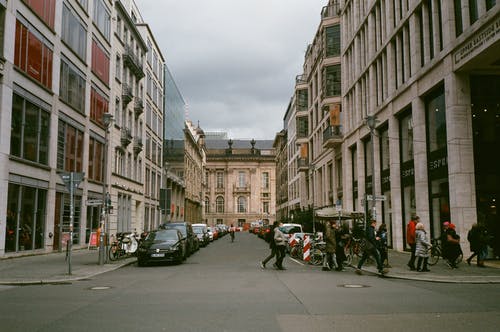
column 460, row 154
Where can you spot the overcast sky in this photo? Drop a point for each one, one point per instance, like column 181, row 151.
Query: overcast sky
column 235, row 61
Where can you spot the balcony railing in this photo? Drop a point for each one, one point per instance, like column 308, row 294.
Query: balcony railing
column 138, row 145
column 241, row 189
column 126, row 137
column 138, row 106
column 303, row 164
column 332, row 136
column 126, row 94
column 133, row 62
column 301, row 79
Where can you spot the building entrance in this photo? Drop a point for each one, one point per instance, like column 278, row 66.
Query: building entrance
column 486, row 126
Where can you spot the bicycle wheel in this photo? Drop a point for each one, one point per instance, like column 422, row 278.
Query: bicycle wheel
column 434, row 257
column 113, row 253
column 348, row 256
column 296, row 252
column 316, row 257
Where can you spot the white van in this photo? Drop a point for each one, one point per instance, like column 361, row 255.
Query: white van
column 289, row 229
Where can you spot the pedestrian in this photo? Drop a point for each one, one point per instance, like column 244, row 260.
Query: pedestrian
column 450, row 243
column 422, row 247
column 329, row 259
column 478, row 239
column 370, row 249
column 341, row 238
column 280, row 241
column 410, row 240
column 272, row 245
column 232, row 230
column 382, row 234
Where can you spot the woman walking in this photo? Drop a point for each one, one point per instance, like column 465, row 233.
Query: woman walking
column 422, row 247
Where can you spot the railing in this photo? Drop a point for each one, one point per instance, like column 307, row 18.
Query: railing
column 303, row 164
column 332, row 136
column 138, row 145
column 131, row 60
column 126, row 94
column 138, row 106
column 126, row 137
column 301, row 79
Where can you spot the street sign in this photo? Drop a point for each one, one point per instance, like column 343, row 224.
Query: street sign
column 77, row 178
column 94, row 202
column 375, row 198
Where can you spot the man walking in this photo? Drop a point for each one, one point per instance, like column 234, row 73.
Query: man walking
column 411, row 240
column 272, row 245
column 280, row 240
column 370, row 249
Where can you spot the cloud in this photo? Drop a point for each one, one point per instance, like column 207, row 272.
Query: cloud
column 234, row 61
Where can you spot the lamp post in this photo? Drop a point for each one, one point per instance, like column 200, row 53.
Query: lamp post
column 311, row 173
column 371, row 122
column 107, row 118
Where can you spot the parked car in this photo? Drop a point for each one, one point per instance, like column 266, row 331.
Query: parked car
column 215, row 232
column 164, row 245
column 187, row 232
column 210, row 234
column 263, row 231
column 289, row 229
column 201, row 231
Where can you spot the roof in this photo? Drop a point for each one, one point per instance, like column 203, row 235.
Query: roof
column 239, row 144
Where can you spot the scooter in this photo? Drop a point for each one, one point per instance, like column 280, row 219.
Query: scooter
column 126, row 244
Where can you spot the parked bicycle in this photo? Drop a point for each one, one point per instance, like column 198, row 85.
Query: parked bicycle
column 437, row 252
column 352, row 248
column 126, row 244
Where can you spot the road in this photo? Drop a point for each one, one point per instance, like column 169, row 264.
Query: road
column 222, row 288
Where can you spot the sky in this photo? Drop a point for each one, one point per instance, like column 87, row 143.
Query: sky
column 234, row 61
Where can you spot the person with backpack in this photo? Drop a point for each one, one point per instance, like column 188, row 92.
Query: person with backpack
column 411, row 240
column 477, row 237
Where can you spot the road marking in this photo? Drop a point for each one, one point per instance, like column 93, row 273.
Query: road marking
column 296, row 261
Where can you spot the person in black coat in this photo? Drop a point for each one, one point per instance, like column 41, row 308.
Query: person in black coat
column 370, row 249
column 272, row 245
column 477, row 237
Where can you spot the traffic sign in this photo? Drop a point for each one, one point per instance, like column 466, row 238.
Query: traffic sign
column 375, row 198
column 94, row 202
column 67, row 178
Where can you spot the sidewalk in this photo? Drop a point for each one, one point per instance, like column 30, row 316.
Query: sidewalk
column 54, row 268
column 441, row 272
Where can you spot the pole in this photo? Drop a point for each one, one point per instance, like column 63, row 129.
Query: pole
column 71, row 216
column 370, row 120
column 104, row 210
column 312, row 198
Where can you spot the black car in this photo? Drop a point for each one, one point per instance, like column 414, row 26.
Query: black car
column 164, row 245
column 186, row 229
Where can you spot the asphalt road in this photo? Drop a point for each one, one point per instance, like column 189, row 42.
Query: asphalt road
column 222, row 288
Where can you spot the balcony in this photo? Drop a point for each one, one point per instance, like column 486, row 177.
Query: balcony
column 300, row 79
column 138, row 145
column 126, row 94
column 138, row 106
column 126, row 137
column 331, row 11
column 332, row 136
column 237, row 189
column 303, row 165
column 219, row 190
column 133, row 62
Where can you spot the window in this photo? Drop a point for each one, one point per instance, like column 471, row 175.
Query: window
column 242, row 182
column 302, row 98
column 96, row 158
column 302, row 126
column 265, row 180
column 120, row 164
column 98, row 105
column 242, row 204
column 32, row 55
column 265, row 207
column 331, row 81
column 219, row 208
column 458, row 17
column 73, row 32
column 406, row 127
column 473, row 11
column 436, row 117
column 102, row 18
column 72, row 86
column 100, row 62
column 490, row 4
column 45, row 9
column 220, row 179
column 29, row 131
column 207, row 205
column 332, row 40
column 69, row 148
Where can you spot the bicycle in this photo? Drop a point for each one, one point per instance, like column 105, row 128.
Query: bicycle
column 297, row 251
column 437, row 252
column 352, row 248
column 125, row 244
column 317, row 252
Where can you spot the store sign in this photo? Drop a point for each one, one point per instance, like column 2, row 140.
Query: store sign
column 481, row 40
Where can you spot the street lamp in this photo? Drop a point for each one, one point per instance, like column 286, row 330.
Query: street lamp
column 311, row 174
column 371, row 121
column 107, row 118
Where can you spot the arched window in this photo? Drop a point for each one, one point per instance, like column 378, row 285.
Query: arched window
column 219, row 204
column 207, row 205
column 242, row 204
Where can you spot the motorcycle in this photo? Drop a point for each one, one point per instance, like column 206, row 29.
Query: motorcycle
column 126, row 244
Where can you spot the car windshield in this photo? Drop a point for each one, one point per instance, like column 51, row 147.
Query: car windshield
column 182, row 228
column 290, row 229
column 166, row 236
column 198, row 229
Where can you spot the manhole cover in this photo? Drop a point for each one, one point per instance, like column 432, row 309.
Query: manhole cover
column 100, row 288
column 353, row 286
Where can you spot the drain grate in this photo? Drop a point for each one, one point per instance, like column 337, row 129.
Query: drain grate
column 353, row 286
column 100, row 288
